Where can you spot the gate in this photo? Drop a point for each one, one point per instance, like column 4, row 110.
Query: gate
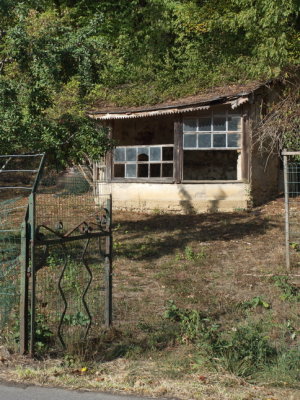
column 61, row 259
column 291, row 165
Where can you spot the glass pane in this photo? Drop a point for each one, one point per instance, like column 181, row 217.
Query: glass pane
column 119, row 170
column 190, row 125
column 143, row 154
column 119, row 154
column 234, row 123
column 167, row 153
column 155, row 170
column 204, row 124
column 219, row 140
column 234, row 140
column 155, row 153
column 131, row 154
column 143, row 171
column 167, row 170
column 131, row 171
column 220, row 123
column 204, row 140
column 189, row 141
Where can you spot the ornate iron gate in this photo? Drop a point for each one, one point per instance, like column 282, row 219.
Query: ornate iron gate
column 61, row 258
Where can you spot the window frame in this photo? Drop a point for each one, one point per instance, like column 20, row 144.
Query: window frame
column 212, row 132
column 148, row 179
column 178, row 149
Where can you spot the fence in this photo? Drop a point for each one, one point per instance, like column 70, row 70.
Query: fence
column 291, row 162
column 58, row 257
column 17, row 178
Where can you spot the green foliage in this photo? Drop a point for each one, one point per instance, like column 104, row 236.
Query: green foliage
column 289, row 291
column 242, row 350
column 285, row 370
column 77, row 319
column 190, row 255
column 193, row 326
column 43, row 334
column 59, row 58
column 256, row 301
column 247, row 349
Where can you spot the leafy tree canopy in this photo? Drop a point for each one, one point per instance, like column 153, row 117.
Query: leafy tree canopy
column 59, row 57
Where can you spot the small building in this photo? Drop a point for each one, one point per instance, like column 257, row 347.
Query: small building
column 195, row 154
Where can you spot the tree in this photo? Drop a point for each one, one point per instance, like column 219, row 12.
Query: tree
column 61, row 57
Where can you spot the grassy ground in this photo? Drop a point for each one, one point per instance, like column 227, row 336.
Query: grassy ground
column 202, row 308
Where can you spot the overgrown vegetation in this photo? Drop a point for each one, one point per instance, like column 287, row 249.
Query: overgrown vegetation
column 58, row 58
column 203, row 309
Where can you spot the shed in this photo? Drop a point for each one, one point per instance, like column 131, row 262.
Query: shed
column 194, row 154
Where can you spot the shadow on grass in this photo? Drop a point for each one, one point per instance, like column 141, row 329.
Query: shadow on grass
column 152, row 237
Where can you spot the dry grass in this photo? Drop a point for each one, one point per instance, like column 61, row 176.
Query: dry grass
column 208, row 262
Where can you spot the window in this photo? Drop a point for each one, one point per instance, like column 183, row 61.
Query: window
column 214, row 131
column 132, row 162
column 201, row 165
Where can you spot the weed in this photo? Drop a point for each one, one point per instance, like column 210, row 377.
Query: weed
column 190, row 255
column 256, row 301
column 289, row 291
column 295, row 246
column 193, row 325
column 242, row 350
column 246, row 349
column 78, row 319
column 285, row 369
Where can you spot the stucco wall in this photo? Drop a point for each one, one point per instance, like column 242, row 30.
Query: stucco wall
column 184, row 198
column 264, row 168
column 264, row 177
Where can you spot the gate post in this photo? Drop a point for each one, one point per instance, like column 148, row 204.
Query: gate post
column 24, row 289
column 286, row 203
column 108, row 266
column 32, row 271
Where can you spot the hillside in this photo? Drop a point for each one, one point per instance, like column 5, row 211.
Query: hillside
column 203, row 308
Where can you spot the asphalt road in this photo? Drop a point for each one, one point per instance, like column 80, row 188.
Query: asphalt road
column 22, row 392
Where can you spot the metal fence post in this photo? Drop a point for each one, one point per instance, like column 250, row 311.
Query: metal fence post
column 32, row 270
column 108, row 267
column 24, row 289
column 286, row 201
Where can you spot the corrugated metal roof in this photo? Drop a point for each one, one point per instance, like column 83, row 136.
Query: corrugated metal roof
column 233, row 95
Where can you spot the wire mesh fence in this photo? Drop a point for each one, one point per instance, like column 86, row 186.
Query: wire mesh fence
column 292, row 201
column 70, row 256
column 55, row 255
column 17, row 176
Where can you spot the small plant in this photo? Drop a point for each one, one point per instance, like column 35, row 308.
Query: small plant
column 43, row 334
column 246, row 349
column 289, row 291
column 78, row 319
column 256, row 301
column 193, row 325
column 295, row 246
column 190, row 255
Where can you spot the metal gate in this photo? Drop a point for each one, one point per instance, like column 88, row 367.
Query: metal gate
column 62, row 260
column 291, row 165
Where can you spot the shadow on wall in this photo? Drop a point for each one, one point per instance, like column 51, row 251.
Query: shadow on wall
column 186, row 201
column 187, row 205
column 214, row 204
